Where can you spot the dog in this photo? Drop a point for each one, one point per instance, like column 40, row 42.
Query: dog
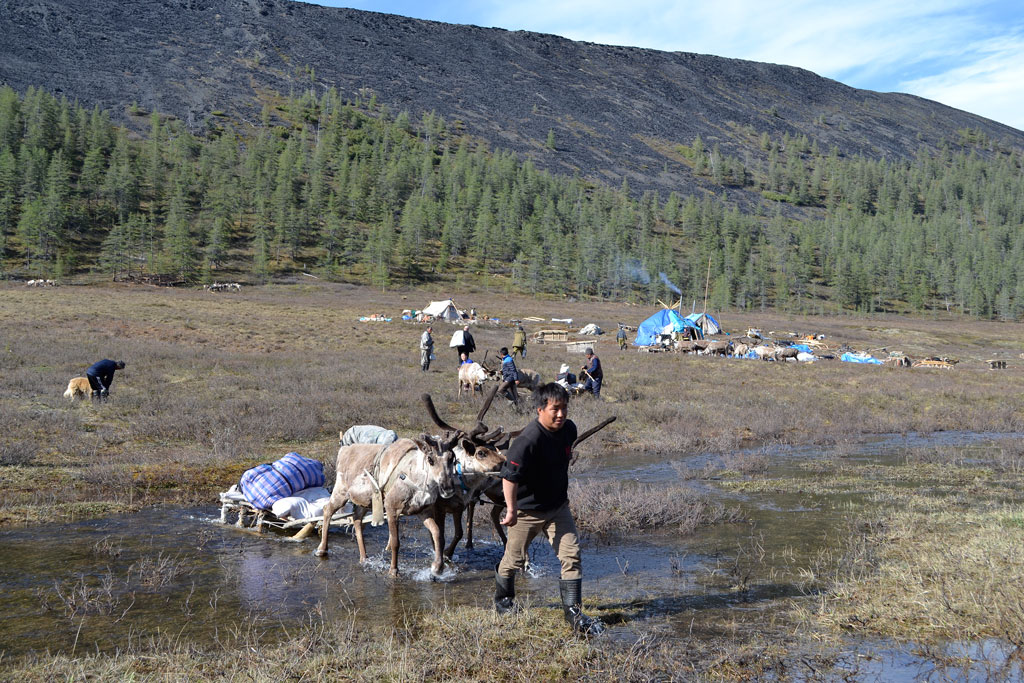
column 78, row 387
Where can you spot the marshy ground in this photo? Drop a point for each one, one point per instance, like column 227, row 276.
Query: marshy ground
column 743, row 519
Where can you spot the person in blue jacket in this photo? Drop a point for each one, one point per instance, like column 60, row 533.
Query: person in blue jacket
column 510, row 374
column 100, row 375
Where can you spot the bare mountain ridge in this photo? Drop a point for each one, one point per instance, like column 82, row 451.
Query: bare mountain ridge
column 616, row 112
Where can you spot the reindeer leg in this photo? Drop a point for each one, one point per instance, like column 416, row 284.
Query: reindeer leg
column 470, row 511
column 456, row 531
column 438, row 537
column 496, row 515
column 393, row 541
column 329, row 509
column 357, row 524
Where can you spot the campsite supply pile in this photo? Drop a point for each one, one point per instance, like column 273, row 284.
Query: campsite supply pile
column 223, row 287
column 591, row 329
column 374, row 318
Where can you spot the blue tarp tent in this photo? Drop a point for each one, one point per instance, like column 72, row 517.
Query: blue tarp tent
column 664, row 321
column 705, row 322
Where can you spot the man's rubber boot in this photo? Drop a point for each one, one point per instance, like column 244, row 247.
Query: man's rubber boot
column 505, row 593
column 572, row 605
column 95, row 395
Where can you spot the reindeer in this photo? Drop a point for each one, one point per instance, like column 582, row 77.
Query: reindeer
column 483, row 455
column 718, row 347
column 406, row 477
column 529, row 379
column 478, row 461
column 785, row 353
column 473, row 375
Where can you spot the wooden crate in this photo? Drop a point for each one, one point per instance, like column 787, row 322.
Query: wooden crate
column 549, row 336
column 578, row 346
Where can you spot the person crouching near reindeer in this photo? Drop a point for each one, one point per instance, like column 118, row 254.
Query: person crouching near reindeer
column 536, row 490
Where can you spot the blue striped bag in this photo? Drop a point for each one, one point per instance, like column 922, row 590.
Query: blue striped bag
column 263, row 486
column 300, row 472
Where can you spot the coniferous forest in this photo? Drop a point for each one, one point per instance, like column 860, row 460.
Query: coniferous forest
column 347, row 190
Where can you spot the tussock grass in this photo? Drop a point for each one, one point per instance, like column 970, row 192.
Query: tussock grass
column 613, row 507
column 940, row 572
column 450, row 644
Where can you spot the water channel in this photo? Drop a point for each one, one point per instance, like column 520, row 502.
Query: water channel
column 90, row 584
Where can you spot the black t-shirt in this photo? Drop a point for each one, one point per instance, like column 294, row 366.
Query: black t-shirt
column 538, row 461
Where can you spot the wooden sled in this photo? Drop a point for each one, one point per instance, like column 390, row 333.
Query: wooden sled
column 929, row 363
column 248, row 517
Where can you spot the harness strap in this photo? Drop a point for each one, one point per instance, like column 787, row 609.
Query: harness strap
column 462, row 482
column 382, row 484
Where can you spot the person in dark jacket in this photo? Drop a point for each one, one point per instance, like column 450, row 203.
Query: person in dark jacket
column 509, row 373
column 593, row 372
column 100, row 375
column 536, row 490
column 468, row 345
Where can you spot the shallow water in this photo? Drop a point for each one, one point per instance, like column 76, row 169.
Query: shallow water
column 90, row 585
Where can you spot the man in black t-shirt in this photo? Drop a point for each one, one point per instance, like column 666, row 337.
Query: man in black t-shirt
column 536, row 488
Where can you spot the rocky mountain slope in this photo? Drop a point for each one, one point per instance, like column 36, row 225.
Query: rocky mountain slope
column 616, row 113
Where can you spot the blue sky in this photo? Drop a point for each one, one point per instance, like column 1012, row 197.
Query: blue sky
column 968, row 54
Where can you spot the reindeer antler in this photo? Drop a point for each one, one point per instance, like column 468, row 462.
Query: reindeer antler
column 429, row 403
column 487, row 404
column 593, row 430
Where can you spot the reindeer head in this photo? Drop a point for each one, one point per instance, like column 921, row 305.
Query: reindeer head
column 440, row 461
column 476, row 450
column 477, row 458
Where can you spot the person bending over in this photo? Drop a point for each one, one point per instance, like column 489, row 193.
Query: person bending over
column 101, row 375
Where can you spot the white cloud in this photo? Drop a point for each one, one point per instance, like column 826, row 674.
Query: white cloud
column 990, row 85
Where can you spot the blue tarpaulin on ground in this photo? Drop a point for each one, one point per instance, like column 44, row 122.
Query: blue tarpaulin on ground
column 860, row 358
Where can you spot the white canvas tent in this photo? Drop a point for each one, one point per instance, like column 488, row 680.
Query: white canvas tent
column 444, row 310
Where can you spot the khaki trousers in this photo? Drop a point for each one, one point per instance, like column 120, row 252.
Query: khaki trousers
column 560, row 529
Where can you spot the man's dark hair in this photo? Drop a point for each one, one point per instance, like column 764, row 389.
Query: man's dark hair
column 552, row 391
column 119, row 365
column 588, row 352
column 503, row 350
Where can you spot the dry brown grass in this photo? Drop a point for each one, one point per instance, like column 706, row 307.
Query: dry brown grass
column 937, row 571
column 616, row 507
column 449, row 644
column 218, row 382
